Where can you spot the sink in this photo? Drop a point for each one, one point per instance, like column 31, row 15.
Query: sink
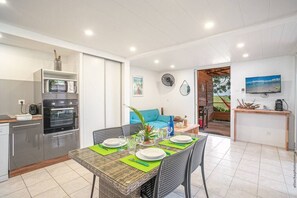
column 23, row 117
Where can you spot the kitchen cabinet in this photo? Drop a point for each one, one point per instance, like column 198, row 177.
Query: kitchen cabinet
column 59, row 144
column 26, row 143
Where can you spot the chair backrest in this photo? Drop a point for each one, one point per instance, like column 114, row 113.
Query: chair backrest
column 100, row 135
column 131, row 129
column 173, row 171
column 197, row 155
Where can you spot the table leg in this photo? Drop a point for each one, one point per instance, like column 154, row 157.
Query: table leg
column 106, row 190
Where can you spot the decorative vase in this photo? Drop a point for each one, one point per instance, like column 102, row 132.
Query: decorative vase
column 58, row 65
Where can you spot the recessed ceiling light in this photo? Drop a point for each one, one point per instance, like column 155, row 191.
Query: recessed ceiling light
column 240, row 45
column 172, row 66
column 209, row 25
column 245, row 55
column 156, row 61
column 132, row 49
column 3, row 2
column 89, row 32
column 1, row 35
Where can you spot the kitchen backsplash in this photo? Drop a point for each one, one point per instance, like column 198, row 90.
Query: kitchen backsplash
column 13, row 90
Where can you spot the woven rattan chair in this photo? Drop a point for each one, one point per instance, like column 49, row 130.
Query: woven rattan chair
column 196, row 160
column 99, row 136
column 173, row 171
column 131, row 129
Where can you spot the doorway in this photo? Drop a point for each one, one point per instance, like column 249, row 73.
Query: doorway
column 214, row 96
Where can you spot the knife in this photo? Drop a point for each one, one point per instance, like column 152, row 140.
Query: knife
column 139, row 162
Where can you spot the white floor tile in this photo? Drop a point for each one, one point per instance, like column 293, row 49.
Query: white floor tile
column 41, row 187
column 12, row 185
column 74, row 185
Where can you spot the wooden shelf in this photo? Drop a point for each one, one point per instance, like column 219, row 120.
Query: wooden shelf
column 262, row 111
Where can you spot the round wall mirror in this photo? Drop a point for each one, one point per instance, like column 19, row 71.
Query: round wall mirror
column 184, row 88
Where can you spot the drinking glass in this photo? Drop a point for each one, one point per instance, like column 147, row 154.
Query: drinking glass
column 131, row 146
column 123, row 139
column 163, row 134
column 139, row 139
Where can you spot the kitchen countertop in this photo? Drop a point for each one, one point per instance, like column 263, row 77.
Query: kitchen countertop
column 9, row 119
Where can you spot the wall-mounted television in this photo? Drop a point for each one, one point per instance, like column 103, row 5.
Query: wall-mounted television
column 263, row 84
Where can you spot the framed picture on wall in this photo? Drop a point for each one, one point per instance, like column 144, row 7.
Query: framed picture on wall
column 137, row 88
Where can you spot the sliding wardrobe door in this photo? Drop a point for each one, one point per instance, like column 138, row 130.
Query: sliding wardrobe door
column 93, row 99
column 113, row 92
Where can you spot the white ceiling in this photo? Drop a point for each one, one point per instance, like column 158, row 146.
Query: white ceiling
column 33, row 45
column 151, row 25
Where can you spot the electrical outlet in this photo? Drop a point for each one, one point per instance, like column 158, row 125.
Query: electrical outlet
column 21, row 101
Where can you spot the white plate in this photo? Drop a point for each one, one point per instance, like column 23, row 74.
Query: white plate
column 120, row 145
column 181, row 139
column 112, row 142
column 152, row 153
column 140, row 156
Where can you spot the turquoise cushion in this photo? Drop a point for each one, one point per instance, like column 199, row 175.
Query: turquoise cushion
column 163, row 118
column 158, row 124
column 149, row 115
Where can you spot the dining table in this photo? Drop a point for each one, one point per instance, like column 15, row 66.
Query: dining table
column 118, row 179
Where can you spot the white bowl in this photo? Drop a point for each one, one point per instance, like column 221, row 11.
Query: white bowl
column 152, row 153
column 181, row 139
column 112, row 142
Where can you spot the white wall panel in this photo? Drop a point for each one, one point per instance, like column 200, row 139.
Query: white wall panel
column 92, row 97
column 113, row 79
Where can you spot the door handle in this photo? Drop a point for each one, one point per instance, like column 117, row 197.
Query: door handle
column 12, row 144
column 62, row 135
column 61, row 109
column 26, row 125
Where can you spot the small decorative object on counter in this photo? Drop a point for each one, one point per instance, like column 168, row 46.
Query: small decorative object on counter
column 245, row 105
column 57, row 62
column 170, row 128
column 185, row 121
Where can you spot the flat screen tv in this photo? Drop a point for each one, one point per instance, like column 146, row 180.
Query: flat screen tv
column 263, row 84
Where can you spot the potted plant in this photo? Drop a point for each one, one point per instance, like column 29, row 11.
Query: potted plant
column 147, row 129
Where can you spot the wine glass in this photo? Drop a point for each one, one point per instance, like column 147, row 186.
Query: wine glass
column 123, row 141
column 169, row 130
column 139, row 139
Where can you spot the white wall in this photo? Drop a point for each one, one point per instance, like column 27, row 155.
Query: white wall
column 285, row 66
column 176, row 104
column 151, row 94
column 157, row 95
column 171, row 99
column 19, row 63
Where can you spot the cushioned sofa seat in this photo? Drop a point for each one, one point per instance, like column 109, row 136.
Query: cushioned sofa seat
column 152, row 117
column 158, row 124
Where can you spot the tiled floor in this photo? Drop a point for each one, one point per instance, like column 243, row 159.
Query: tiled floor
column 233, row 169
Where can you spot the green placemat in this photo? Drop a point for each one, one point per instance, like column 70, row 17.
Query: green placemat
column 98, row 148
column 142, row 165
column 177, row 145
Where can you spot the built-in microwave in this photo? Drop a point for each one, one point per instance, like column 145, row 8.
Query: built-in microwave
column 60, row 86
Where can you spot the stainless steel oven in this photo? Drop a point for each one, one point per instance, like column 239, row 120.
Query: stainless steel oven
column 60, row 115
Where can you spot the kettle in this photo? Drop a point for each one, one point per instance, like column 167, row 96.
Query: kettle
column 279, row 105
column 33, row 109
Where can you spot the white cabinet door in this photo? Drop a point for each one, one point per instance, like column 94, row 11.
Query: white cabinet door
column 113, row 79
column 92, row 97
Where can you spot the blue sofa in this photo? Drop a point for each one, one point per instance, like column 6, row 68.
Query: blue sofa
column 152, row 117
